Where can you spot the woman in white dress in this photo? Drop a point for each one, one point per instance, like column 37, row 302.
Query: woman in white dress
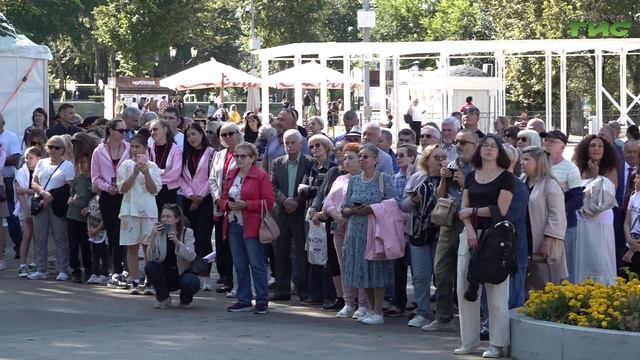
column 595, row 249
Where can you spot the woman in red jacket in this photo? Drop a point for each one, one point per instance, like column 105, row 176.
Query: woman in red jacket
column 243, row 193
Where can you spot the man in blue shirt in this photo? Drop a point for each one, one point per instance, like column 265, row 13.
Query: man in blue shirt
column 287, row 119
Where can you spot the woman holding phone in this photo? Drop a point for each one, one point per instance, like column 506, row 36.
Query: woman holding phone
column 105, row 161
column 139, row 181
column 165, row 153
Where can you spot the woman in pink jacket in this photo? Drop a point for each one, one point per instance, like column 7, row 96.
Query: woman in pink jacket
column 198, row 205
column 106, row 159
column 168, row 156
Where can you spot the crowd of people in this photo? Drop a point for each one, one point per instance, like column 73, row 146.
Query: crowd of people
column 163, row 189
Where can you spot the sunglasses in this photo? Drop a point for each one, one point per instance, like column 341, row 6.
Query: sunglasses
column 523, row 139
column 315, row 146
column 364, row 157
column 54, row 147
column 35, row 143
column 240, row 156
column 463, row 142
column 224, row 135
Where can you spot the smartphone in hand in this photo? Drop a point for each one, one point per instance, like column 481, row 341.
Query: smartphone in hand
column 141, row 159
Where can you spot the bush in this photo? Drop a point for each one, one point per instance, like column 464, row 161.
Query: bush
column 588, row 304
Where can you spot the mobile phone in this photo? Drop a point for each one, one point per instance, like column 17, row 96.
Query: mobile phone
column 231, row 198
column 113, row 181
column 141, row 158
column 166, row 228
column 357, row 203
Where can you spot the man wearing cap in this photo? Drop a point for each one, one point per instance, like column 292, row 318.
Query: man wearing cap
column 470, row 120
column 568, row 176
column 350, row 120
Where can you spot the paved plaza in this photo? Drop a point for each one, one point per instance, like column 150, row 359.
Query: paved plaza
column 62, row 320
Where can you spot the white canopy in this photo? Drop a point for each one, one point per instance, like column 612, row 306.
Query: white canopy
column 24, row 84
column 210, row 75
column 310, row 75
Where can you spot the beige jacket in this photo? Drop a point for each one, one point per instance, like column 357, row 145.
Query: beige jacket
column 547, row 218
column 185, row 253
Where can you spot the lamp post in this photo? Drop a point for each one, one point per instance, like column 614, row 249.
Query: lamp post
column 173, row 51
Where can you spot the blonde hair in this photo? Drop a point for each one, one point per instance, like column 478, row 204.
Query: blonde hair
column 543, row 164
column 323, row 140
column 250, row 148
column 426, row 154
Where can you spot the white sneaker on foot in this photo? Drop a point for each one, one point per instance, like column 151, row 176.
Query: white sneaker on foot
column 361, row 312
column 164, row 304
column 37, row 275
column 466, row 349
column 92, row 279
column 418, row 321
column 346, row 312
column 373, row 319
column 102, row 280
column 62, row 276
column 493, row 352
column 437, row 326
column 231, row 294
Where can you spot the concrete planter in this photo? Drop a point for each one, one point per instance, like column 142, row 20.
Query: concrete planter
column 535, row 340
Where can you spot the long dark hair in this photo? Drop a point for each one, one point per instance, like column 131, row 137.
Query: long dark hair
column 44, row 113
column 503, row 160
column 111, row 124
column 83, row 146
column 609, row 157
column 188, row 150
column 183, row 222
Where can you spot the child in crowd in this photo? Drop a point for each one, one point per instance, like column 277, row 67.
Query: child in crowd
column 139, row 182
column 24, row 193
column 632, row 230
column 98, row 240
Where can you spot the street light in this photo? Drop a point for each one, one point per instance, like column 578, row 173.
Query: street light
column 172, row 52
column 194, row 52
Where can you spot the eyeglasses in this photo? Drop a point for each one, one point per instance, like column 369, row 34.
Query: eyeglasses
column 240, row 156
column 224, row 135
column 315, row 146
column 363, row 156
column 523, row 139
column 54, row 147
column 121, row 131
column 427, row 136
column 463, row 142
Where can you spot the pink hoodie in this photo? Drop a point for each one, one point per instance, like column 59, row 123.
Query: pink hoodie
column 170, row 175
column 102, row 170
column 199, row 184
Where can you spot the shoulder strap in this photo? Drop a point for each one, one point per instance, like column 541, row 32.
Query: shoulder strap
column 50, row 176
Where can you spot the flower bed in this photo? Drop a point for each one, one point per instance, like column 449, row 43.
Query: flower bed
column 588, row 304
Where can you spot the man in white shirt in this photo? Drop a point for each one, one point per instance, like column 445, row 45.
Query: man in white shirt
column 11, row 143
column 416, row 117
column 450, row 127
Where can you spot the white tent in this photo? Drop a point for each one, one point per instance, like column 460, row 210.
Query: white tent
column 310, row 75
column 24, row 84
column 211, row 74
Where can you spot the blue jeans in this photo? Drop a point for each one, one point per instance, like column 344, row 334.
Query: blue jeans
column 517, row 292
column 570, row 251
column 249, row 261
column 422, row 270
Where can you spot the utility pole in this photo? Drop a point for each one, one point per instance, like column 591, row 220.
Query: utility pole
column 366, row 34
column 253, row 35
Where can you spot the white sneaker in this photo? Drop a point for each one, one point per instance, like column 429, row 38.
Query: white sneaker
column 92, row 279
column 365, row 314
column 346, row 312
column 207, row 284
column 361, row 312
column 62, row 276
column 3, row 266
column 102, row 280
column 164, row 304
column 437, row 326
column 37, row 275
column 466, row 349
column 418, row 321
column 493, row 352
column 373, row 319
column 231, row 294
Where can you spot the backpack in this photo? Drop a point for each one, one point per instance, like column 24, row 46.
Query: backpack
column 495, row 257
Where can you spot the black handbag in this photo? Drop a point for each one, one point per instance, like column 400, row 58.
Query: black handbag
column 36, row 200
column 408, row 118
column 60, row 203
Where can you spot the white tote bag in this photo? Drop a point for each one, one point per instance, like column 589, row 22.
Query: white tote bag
column 317, row 244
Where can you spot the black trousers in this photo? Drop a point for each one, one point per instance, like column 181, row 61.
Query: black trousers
column 78, row 244
column 166, row 196
column 13, row 223
column 201, row 221
column 165, row 280
column 99, row 259
column 417, row 127
column 224, row 260
column 110, row 208
column 291, row 233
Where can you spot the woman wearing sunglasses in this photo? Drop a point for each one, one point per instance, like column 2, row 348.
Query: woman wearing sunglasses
column 246, row 190
column 528, row 138
column 51, row 182
column 105, row 161
column 223, row 162
column 198, row 205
